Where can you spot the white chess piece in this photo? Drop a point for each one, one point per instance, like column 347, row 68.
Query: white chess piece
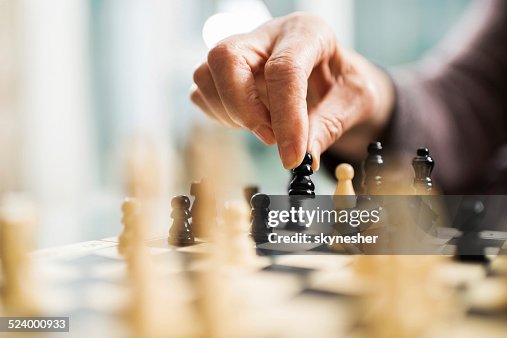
column 130, row 210
column 240, row 248
column 345, row 194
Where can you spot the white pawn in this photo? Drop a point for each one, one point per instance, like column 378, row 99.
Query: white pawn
column 130, row 210
column 344, row 174
column 240, row 249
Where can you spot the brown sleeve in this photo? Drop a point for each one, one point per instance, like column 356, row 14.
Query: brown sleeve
column 456, row 103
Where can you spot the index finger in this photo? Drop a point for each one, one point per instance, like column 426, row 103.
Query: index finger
column 302, row 44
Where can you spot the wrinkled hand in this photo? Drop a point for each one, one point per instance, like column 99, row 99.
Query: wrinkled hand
column 290, row 83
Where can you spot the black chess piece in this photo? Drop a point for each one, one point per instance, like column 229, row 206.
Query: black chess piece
column 204, row 211
column 301, row 184
column 181, row 233
column 470, row 247
column 423, row 214
column 291, row 177
column 259, row 229
column 301, row 187
column 248, row 193
column 373, row 167
column 423, row 165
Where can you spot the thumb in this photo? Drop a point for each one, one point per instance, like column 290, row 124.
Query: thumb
column 345, row 105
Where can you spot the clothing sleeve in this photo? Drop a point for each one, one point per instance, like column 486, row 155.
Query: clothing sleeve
column 455, row 101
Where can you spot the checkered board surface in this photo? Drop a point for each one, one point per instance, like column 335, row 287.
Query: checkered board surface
column 308, row 294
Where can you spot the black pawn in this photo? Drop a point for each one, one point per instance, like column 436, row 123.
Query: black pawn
column 259, row 229
column 181, row 232
column 470, row 247
column 373, row 167
column 301, row 184
column 423, row 166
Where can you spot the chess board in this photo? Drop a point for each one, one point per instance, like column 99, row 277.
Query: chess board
column 291, row 295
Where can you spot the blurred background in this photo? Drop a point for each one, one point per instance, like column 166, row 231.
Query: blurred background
column 81, row 80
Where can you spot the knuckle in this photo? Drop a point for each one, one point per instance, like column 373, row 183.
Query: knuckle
column 252, row 96
column 312, row 27
column 333, row 126
column 222, row 54
column 283, row 66
column 306, row 19
column 299, row 15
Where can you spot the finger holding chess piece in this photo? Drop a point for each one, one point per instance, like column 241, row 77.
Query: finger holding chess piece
column 301, row 184
column 301, row 188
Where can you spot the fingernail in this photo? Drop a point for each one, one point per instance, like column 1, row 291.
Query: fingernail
column 288, row 155
column 265, row 134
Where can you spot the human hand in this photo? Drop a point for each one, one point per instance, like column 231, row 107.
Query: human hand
column 289, row 82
